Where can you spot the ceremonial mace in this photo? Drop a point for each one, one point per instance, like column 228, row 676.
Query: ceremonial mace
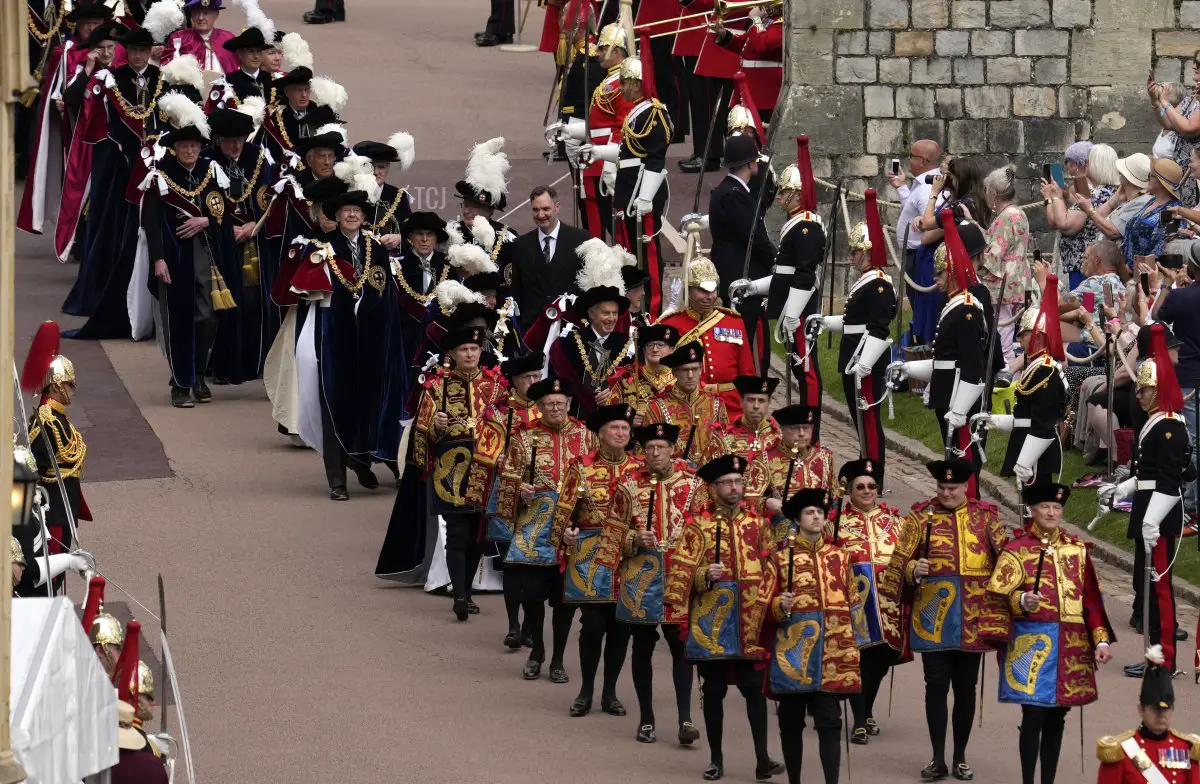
column 791, row 561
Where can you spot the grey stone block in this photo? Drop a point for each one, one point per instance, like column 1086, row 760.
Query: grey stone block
column 1034, row 101
column 1008, row 70
column 989, row 43
column 1043, row 43
column 1113, row 56
column 1019, row 13
column 829, row 14
column 877, row 101
column 1049, row 136
column 949, row 103
column 832, row 116
column 1146, row 15
column 1189, row 14
column 1072, row 102
column 934, row 70
column 914, row 43
column 859, row 166
column 1072, row 13
column 927, row 129
column 884, row 136
column 986, row 102
column 889, row 14
column 893, row 70
column 852, row 43
column 1119, row 115
column 1007, row 136
column 914, row 102
column 1050, row 70
column 967, row 136
column 969, row 13
column 968, row 71
column 855, row 70
column 816, row 66
column 880, row 42
column 1168, row 69
column 948, row 43
column 1177, row 43
column 930, row 13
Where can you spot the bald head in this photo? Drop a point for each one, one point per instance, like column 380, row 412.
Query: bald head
column 923, row 156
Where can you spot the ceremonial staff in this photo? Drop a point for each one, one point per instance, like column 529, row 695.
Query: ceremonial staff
column 791, row 560
column 712, row 126
column 787, row 481
column 687, row 448
column 650, row 505
column 162, row 628
column 508, row 425
column 1037, row 576
column 445, row 381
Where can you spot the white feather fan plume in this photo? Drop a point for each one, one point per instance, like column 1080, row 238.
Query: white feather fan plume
column 488, row 166
column 627, row 258
column 483, row 232
column 256, row 18
column 333, row 128
column 402, row 143
column 164, row 18
column 180, row 112
column 255, row 107
column 601, row 266
column 454, row 230
column 450, row 294
column 296, row 52
column 327, row 92
column 1154, row 655
column 470, row 259
column 367, row 184
column 351, row 167
column 184, row 69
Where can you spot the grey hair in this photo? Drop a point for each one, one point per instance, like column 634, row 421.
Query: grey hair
column 1102, row 166
column 1173, row 92
column 999, row 184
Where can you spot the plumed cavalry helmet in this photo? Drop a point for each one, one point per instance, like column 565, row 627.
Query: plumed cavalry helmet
column 61, row 372
column 613, row 35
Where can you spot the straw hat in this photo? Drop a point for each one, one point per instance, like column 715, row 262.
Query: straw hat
column 1136, row 169
column 1169, row 174
column 127, row 737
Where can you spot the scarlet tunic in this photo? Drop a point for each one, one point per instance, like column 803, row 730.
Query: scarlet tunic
column 1174, row 755
column 870, row 538
column 699, row 411
column 726, row 350
column 761, row 50
column 607, row 116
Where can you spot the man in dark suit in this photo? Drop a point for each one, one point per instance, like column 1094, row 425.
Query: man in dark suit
column 544, row 262
column 733, row 221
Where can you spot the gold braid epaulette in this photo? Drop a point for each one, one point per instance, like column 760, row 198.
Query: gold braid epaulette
column 655, row 116
column 1036, row 380
column 603, row 99
column 69, row 447
column 1108, row 747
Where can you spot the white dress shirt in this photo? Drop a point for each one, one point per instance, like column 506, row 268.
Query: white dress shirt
column 913, row 200
column 553, row 237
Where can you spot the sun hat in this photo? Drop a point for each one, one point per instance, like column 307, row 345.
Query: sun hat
column 1136, row 169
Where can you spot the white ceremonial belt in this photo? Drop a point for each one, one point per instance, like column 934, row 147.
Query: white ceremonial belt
column 857, row 329
column 1147, row 484
column 1022, row 422
column 782, row 270
column 629, row 163
column 762, row 64
column 1133, row 751
column 944, row 364
column 601, row 132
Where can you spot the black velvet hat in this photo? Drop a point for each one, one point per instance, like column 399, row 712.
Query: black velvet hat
column 954, row 471
column 616, row 412
column 721, row 466
column 656, row 432
column 519, row 366
column 686, row 354
column 755, row 385
column 809, row 496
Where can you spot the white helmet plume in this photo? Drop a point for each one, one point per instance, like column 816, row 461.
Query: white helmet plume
column 487, row 167
column 470, row 259
column 163, row 18
column 484, row 232
column 601, row 266
column 255, row 107
column 256, row 18
column 184, row 69
column 180, row 112
column 351, row 166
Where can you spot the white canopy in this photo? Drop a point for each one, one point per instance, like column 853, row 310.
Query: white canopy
column 64, row 708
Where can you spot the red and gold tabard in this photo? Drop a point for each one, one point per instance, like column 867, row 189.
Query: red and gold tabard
column 1049, row 660
column 644, row 572
column 951, row 608
column 815, row 647
column 870, row 538
column 743, row 546
column 640, row 385
column 727, row 352
column 461, row 457
column 767, row 476
column 1128, row 758
column 597, row 499
column 497, row 424
column 738, row 437
column 700, row 410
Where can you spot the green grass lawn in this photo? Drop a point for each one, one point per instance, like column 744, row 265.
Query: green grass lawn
column 916, row 421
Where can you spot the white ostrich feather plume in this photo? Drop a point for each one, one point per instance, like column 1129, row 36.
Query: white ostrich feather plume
column 349, row 168
column 367, row 184
column 184, row 69
column 255, row 107
column 470, row 259
column 1154, row 654
column 601, row 266
column 454, row 229
column 333, row 128
column 329, row 93
column 484, row 232
column 164, row 18
column 402, row 143
column 450, row 294
column 487, row 167
column 256, row 18
column 627, row 258
column 181, row 112
column 296, row 52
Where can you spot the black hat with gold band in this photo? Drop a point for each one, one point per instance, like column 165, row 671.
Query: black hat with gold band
column 657, row 432
column 755, row 385
column 615, row 412
column 954, row 471
column 852, row 469
column 689, row 353
column 722, row 466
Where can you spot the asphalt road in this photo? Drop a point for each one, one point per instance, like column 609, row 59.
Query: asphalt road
column 297, row 664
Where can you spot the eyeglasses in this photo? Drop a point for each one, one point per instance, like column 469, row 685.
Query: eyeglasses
column 871, row 486
column 734, row 482
column 554, row 404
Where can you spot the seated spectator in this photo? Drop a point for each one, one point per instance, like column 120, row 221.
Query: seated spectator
column 1111, row 218
column 1183, row 118
column 1003, row 261
column 1103, row 265
column 1093, row 172
column 1145, row 233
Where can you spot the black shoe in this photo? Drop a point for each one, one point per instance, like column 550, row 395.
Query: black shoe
column 181, row 397
column 1180, row 634
column 366, row 477
column 645, row 734
column 1135, row 670
column 691, row 165
column 688, row 734
column 339, row 494
column 581, row 706
column 316, row 17
column 772, row 768
column 472, row 607
column 460, row 609
column 1137, row 627
column 558, row 673
column 859, row 738
column 1135, row 621
column 963, row 772
column 531, row 670
column 612, row 707
column 487, row 39
column 512, row 640
column 480, row 34
column 934, row 771
column 526, row 640
column 201, row 391
column 714, row 772
column 872, row 727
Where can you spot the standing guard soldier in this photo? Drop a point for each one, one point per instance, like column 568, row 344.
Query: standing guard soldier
column 1034, row 451
column 694, row 408
column 717, row 572
column 392, row 208
column 1154, row 752
column 761, row 51
column 945, row 552
column 1058, row 629
column 793, row 463
column 646, row 380
column 869, row 311
column 665, row 490
column 721, row 331
column 529, row 488
column 591, row 523
column 1156, row 520
column 817, row 613
column 867, row 530
column 753, row 433
column 446, row 441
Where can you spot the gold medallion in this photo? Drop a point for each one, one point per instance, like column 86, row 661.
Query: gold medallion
column 215, row 203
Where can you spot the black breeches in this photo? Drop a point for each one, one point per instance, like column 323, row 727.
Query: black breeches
column 714, row 684
column 945, row 670
column 1041, row 736
column 642, row 669
column 599, row 630
column 462, row 551
column 876, row 661
column 827, row 719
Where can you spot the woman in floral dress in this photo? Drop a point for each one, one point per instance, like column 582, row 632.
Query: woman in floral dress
column 1184, row 119
column 1004, row 259
column 1093, row 172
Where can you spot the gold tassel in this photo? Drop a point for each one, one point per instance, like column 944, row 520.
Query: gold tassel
column 250, row 264
column 222, row 297
column 560, row 52
column 30, row 96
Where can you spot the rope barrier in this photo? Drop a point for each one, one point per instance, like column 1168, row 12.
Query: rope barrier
column 897, row 205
